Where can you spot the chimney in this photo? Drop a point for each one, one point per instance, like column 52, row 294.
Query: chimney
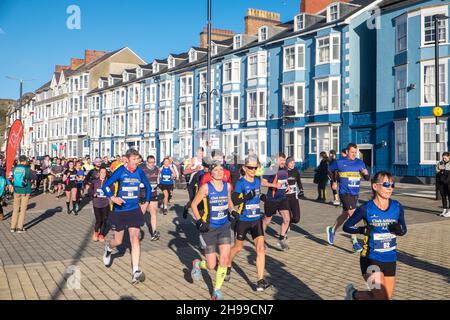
column 314, row 6
column 216, row 35
column 75, row 63
column 59, row 68
column 255, row 19
column 91, row 55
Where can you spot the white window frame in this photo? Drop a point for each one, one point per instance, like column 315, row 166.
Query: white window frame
column 331, row 138
column 329, row 17
column 297, row 58
column 296, row 86
column 192, row 56
column 330, row 95
column 399, row 69
column 299, row 22
column 261, row 65
column 237, row 42
column 153, row 93
column 404, row 123
column 445, row 62
column 258, row 105
column 331, row 57
column 263, row 33
column 202, row 119
column 444, row 133
column 430, row 12
column 299, row 146
column 402, row 20
column 233, row 98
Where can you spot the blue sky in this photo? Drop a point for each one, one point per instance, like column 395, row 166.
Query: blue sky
column 34, row 36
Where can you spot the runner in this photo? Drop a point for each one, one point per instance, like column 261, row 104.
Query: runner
column 216, row 155
column 166, row 182
column 275, row 178
column 295, row 190
column 38, row 172
column 349, row 170
column 195, row 170
column 332, row 159
column 80, row 184
column 70, row 179
column 384, row 221
column 214, row 227
column 46, row 176
column 127, row 212
column 177, row 175
column 57, row 172
column 94, row 173
column 152, row 173
column 246, row 197
column 101, row 205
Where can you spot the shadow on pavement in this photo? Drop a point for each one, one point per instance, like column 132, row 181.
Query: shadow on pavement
column 415, row 262
column 47, row 214
column 29, row 207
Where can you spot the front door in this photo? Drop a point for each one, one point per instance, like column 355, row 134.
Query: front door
column 366, row 155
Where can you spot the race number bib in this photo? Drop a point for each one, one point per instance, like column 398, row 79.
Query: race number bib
column 130, row 192
column 221, row 212
column 354, row 182
column 166, row 178
column 284, row 184
column 252, row 210
column 384, row 242
column 100, row 193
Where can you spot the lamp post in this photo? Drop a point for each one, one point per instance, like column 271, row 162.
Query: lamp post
column 437, row 111
column 208, row 76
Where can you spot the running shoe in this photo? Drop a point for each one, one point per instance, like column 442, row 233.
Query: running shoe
column 336, row 203
column 77, row 208
column 330, row 235
column 138, row 276
column 165, row 212
column 107, row 257
column 228, row 275
column 13, row 230
column 95, row 236
column 196, row 272
column 283, row 244
column 443, row 212
column 155, row 236
column 447, row 214
column 262, row 285
column 349, row 290
column 22, row 230
column 217, row 295
column 357, row 247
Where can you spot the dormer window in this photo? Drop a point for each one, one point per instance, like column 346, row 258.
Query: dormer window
column 125, row 77
column 100, row 83
column 333, row 12
column 214, row 49
column 192, row 56
column 237, row 43
column 299, row 22
column 155, row 67
column 171, row 62
column 263, row 33
column 110, row 81
column 138, row 72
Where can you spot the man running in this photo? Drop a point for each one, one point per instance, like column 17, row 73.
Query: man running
column 46, row 176
column 214, row 227
column 246, row 197
column 57, row 173
column 349, row 171
column 276, row 179
column 152, row 173
column 166, row 182
column 127, row 211
column 295, row 190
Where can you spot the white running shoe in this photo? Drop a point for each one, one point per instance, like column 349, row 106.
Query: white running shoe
column 336, row 202
column 107, row 256
column 447, row 214
column 349, row 289
column 138, row 276
column 443, row 212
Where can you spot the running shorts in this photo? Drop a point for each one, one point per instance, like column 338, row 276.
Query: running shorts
column 214, row 237
column 349, row 202
column 119, row 221
column 271, row 207
column 387, row 268
column 254, row 227
column 168, row 187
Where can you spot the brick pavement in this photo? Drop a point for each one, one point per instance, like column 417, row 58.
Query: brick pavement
column 32, row 265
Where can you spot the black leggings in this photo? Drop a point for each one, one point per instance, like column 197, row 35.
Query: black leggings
column 101, row 216
column 445, row 194
column 294, row 209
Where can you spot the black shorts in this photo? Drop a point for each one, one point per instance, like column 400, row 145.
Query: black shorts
column 215, row 237
column 271, row 207
column 243, row 227
column 154, row 198
column 349, row 202
column 387, row 268
column 168, row 187
column 69, row 187
column 119, row 221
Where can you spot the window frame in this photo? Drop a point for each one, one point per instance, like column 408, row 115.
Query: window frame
column 397, row 123
column 445, row 142
column 331, row 57
column 431, row 12
column 330, row 95
column 402, row 20
column 430, row 63
column 398, row 69
column 297, row 59
column 258, row 105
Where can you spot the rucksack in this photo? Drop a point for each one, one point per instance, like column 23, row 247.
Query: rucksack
column 19, row 177
column 2, row 185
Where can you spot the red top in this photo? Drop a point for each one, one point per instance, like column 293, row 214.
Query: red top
column 226, row 177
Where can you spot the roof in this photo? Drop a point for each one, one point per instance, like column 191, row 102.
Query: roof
column 200, row 49
column 146, row 66
column 227, row 42
column 131, row 70
column 116, row 75
column 183, row 55
column 161, row 61
column 392, row 4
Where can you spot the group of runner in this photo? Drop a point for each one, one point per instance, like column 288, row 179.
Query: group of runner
column 224, row 201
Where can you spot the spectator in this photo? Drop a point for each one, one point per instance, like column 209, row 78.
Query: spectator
column 443, row 183
column 332, row 159
column 321, row 177
column 22, row 189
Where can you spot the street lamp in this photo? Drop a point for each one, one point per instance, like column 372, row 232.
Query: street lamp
column 208, row 75
column 437, row 111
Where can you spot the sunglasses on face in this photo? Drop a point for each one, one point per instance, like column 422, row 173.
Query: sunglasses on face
column 251, row 168
column 387, row 185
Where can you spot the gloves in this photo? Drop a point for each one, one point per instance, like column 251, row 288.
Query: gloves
column 396, row 229
column 263, row 198
column 301, row 194
column 249, row 196
column 202, row 226
column 233, row 215
column 365, row 230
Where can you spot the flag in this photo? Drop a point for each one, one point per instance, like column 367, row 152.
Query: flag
column 14, row 140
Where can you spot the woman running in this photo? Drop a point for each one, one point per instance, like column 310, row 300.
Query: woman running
column 70, row 180
column 166, row 182
column 384, row 221
column 214, row 227
column 101, row 205
column 80, row 184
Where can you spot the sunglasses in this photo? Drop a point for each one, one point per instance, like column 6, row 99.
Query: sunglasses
column 251, row 168
column 387, row 185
